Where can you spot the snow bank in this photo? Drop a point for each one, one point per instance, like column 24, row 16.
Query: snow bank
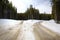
column 7, row 23
column 52, row 25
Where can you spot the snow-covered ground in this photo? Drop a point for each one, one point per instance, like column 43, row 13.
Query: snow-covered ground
column 51, row 25
column 26, row 28
column 8, row 22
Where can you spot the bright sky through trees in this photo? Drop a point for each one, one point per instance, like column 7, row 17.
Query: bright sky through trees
column 22, row 5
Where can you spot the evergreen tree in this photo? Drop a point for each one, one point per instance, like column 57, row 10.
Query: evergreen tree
column 56, row 9
column 32, row 13
column 7, row 10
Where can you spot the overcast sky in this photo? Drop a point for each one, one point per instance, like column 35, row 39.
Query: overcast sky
column 22, row 5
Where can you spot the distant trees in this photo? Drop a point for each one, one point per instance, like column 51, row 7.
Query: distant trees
column 45, row 16
column 32, row 13
column 21, row 16
column 7, row 11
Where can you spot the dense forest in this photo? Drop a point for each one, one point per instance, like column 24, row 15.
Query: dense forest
column 7, row 11
column 56, row 10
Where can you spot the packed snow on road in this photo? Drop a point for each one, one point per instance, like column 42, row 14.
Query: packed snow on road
column 25, row 28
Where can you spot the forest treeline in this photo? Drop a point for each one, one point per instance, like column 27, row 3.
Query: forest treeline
column 7, row 11
column 32, row 13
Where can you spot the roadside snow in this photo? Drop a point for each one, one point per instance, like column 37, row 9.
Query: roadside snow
column 8, row 23
column 52, row 25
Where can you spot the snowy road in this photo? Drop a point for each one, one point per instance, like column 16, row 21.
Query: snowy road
column 42, row 33
column 10, row 33
column 27, row 30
